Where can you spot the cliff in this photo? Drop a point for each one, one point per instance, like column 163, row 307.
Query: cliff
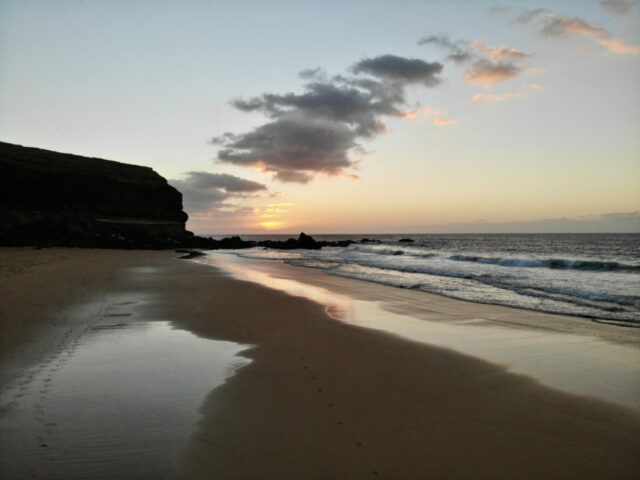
column 56, row 199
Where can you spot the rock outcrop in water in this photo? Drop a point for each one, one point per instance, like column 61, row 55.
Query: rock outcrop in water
column 56, row 199
column 303, row 241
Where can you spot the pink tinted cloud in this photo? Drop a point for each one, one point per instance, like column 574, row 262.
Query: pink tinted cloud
column 618, row 46
column 429, row 111
column 490, row 74
column 480, row 98
column 443, row 122
column 501, row 53
column 553, row 25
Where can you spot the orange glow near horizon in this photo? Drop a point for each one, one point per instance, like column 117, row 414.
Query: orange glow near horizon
column 271, row 225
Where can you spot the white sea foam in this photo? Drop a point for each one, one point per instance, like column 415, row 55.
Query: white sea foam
column 595, row 276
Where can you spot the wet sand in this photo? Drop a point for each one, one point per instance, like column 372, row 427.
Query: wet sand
column 320, row 398
column 571, row 354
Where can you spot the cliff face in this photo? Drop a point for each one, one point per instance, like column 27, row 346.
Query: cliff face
column 50, row 198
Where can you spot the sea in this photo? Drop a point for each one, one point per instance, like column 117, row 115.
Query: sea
column 589, row 275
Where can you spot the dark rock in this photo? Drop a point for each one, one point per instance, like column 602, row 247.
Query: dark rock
column 369, row 240
column 406, row 240
column 303, row 241
column 56, row 199
column 398, row 252
column 338, row 243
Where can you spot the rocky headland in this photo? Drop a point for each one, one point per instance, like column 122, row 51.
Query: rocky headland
column 57, row 199
column 51, row 199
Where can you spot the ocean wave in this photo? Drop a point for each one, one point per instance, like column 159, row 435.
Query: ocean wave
column 385, row 250
column 382, row 269
column 554, row 263
column 538, row 299
column 580, row 280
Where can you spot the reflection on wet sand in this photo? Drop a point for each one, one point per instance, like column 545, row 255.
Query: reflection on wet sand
column 124, row 398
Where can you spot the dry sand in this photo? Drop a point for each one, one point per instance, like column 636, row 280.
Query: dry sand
column 320, row 399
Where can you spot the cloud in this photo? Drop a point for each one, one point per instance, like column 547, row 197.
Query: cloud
column 530, row 15
column 555, row 26
column 316, row 131
column 428, row 111
column 617, row 7
column 489, row 74
column 443, row 122
column 618, row 46
column 460, row 52
column 223, row 181
column 339, row 100
column 536, row 70
column 399, row 69
column 501, row 53
column 273, row 210
column 490, row 98
column 313, row 73
column 486, row 98
column 293, row 147
column 204, row 192
column 489, row 65
column 552, row 25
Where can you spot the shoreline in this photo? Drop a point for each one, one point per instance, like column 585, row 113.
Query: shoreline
column 567, row 353
column 407, row 301
column 323, row 399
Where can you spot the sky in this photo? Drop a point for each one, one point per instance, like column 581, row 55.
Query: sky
column 343, row 116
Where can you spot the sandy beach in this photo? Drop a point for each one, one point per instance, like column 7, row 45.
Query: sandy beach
column 317, row 398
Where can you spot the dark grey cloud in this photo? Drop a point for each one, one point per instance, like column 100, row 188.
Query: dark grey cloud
column 314, row 132
column 460, row 56
column 617, row 7
column 293, row 147
column 206, row 192
column 352, row 102
column 223, row 181
column 400, row 69
column 317, row 73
